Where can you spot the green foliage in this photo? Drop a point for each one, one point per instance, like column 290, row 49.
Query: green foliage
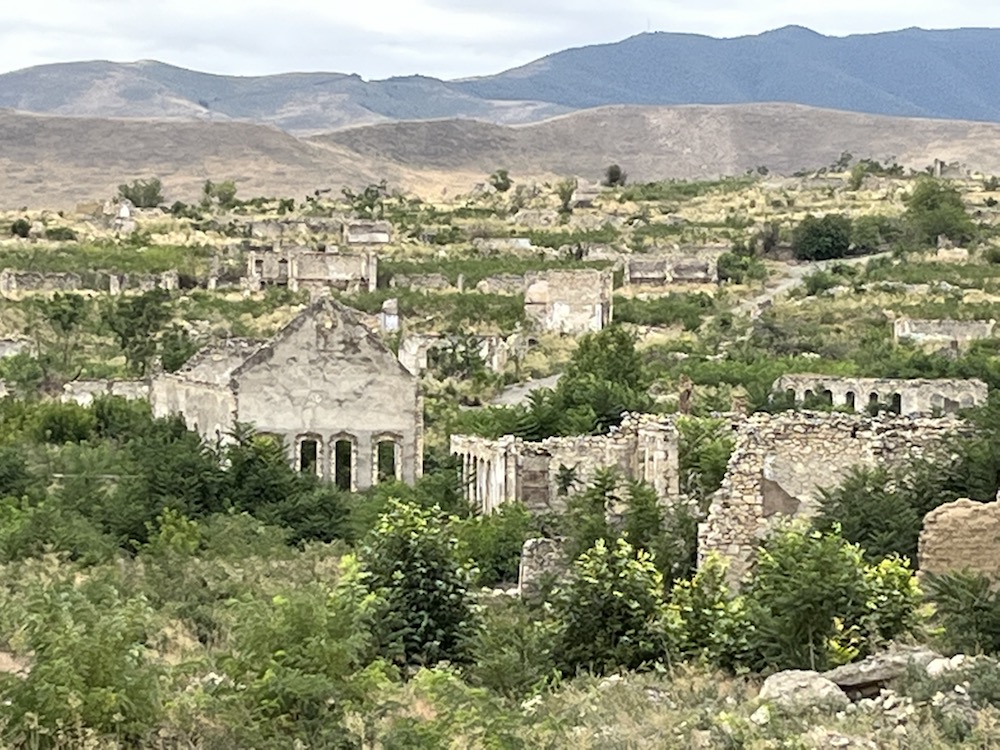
column 935, row 208
column 813, row 601
column 370, row 202
column 565, row 189
column 20, row 228
column 680, row 190
column 967, row 609
column 60, row 234
column 410, row 562
column 713, row 624
column 610, row 613
column 493, row 543
column 176, row 348
column 689, row 310
column 143, row 193
column 500, row 180
column 704, row 448
column 135, row 322
column 818, row 282
column 512, row 650
column 615, row 176
column 221, row 194
column 741, row 265
column 822, row 238
column 871, row 232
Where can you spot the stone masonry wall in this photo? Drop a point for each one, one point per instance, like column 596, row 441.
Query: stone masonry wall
column 911, row 396
column 942, row 333
column 963, row 535
column 781, row 461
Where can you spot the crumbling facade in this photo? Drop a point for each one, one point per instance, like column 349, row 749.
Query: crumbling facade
column 963, row 535
column 906, row 397
column 302, row 268
column 942, row 334
column 330, row 390
column 574, row 302
column 542, row 475
column 781, row 462
column 366, row 233
column 696, row 266
column 418, row 351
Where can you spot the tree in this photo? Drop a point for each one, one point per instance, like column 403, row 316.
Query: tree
column 614, row 176
column 935, row 208
column 565, row 189
column 410, row 562
column 822, row 238
column 64, row 313
column 143, row 193
column 611, row 613
column 135, row 321
column 20, row 228
column 370, row 202
column 223, row 194
column 500, row 180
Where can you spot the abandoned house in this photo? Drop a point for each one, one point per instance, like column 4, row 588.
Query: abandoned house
column 695, row 266
column 573, row 302
column 338, row 398
column 907, row 397
column 303, row 268
column 366, row 233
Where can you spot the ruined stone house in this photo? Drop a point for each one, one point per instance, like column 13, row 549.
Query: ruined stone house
column 542, row 475
column 417, row 352
column 366, row 232
column 574, row 302
column 782, row 461
column 907, row 397
column 338, row 398
column 953, row 335
column 303, row 268
column 692, row 266
column 962, row 536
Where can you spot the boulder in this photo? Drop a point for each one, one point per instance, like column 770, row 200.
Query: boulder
column 868, row 676
column 798, row 690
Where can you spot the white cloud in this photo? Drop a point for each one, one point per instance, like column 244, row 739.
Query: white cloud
column 443, row 38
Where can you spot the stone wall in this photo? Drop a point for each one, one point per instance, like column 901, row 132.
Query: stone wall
column 506, row 283
column 307, row 269
column 366, row 232
column 32, row 281
column 947, row 334
column 509, row 469
column 963, row 535
column 416, row 350
column 692, row 266
column 782, row 461
column 540, row 559
column 576, row 301
column 83, row 392
column 420, row 282
column 907, row 397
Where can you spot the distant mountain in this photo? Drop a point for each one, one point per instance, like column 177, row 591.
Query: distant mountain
column 951, row 74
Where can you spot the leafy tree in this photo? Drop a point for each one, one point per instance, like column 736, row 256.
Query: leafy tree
column 410, row 562
column 500, row 180
column 968, row 609
column 64, row 314
column 611, row 613
column 493, row 542
column 135, row 322
column 713, row 623
column 176, row 348
column 20, row 228
column 614, row 176
column 822, row 238
column 222, row 194
column 370, row 202
column 935, row 208
column 143, row 193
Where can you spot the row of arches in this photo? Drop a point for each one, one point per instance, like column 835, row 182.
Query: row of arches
column 339, row 459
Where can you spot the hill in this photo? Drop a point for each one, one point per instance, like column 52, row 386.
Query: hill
column 952, row 74
column 653, row 143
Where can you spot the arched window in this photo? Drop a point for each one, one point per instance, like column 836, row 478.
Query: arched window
column 309, row 455
column 827, row 396
column 386, row 459
column 344, row 460
column 849, row 400
column 897, row 403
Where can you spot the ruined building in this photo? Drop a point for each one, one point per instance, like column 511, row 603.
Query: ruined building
column 342, row 403
column 694, row 266
column 542, row 475
column 572, row 302
column 907, row 397
column 313, row 270
column 942, row 334
column 782, row 461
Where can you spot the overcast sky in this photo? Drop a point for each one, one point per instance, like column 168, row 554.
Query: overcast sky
column 441, row 38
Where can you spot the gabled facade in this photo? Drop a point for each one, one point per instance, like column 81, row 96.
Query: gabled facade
column 340, row 400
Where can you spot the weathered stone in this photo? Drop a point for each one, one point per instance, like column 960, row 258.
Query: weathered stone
column 909, row 396
column 868, row 676
column 963, row 535
column 578, row 301
column 541, row 559
column 799, row 690
column 947, row 334
column 313, row 270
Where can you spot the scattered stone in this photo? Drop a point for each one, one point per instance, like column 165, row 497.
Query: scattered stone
column 797, row 690
column 866, row 677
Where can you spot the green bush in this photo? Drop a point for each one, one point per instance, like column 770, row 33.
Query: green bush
column 968, row 610
column 20, row 228
column 143, row 193
column 493, row 543
column 610, row 613
column 410, row 562
column 712, row 622
column 822, row 238
column 935, row 208
column 512, row 650
column 687, row 309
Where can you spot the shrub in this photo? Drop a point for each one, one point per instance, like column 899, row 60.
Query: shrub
column 143, row 193
column 822, row 238
column 712, row 621
column 60, row 234
column 818, row 282
column 500, row 180
column 493, row 543
column 610, row 613
column 20, row 228
column 512, row 650
column 967, row 609
column 813, row 602
column 935, row 208
column 410, row 562
column 614, row 176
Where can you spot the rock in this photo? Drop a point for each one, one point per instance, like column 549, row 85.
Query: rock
column 868, row 676
column 941, row 665
column 798, row 690
column 761, row 716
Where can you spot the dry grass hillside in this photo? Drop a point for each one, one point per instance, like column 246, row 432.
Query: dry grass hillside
column 56, row 162
column 59, row 161
column 686, row 142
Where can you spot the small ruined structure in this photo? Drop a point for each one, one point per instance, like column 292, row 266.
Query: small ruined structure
column 12, row 282
column 302, row 268
column 417, row 352
column 585, row 196
column 366, row 233
column 578, row 301
column 782, row 461
column 907, row 397
column 540, row 559
column 542, row 475
column 336, row 395
column 942, row 334
column 694, row 266
column 83, row 392
column 963, row 535
column 388, row 318
column 420, row 282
